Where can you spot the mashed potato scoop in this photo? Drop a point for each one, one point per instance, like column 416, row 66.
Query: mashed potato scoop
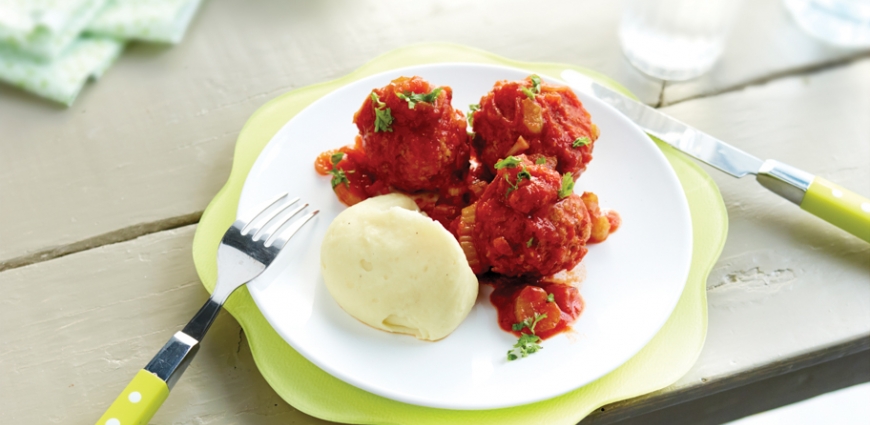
column 397, row 270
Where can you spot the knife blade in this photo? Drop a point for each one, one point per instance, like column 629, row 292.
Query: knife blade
column 843, row 208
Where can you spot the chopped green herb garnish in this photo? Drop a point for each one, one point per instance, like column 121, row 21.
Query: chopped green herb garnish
column 338, row 177
column 538, row 318
column 541, row 160
column 523, row 174
column 536, row 83
column 414, row 98
column 530, row 242
column 527, row 343
column 581, row 141
column 383, row 117
column 377, row 101
column 529, row 93
column 509, row 162
column 512, row 187
column 471, row 110
column 536, row 87
column 551, row 298
column 525, row 346
column 567, row 186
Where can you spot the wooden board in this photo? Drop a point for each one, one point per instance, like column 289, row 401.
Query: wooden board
column 147, row 147
column 77, row 329
column 144, row 150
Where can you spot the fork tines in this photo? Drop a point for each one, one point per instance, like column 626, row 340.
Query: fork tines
column 272, row 222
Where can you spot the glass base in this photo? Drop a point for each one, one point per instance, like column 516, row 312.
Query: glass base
column 668, row 57
column 664, row 71
column 844, row 23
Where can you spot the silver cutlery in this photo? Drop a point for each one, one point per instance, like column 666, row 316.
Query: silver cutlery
column 828, row 201
column 248, row 247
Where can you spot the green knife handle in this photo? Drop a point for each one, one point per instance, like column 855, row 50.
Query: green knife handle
column 838, row 206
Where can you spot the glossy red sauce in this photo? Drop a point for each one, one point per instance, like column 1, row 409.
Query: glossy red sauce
column 549, row 125
column 517, row 299
column 514, row 224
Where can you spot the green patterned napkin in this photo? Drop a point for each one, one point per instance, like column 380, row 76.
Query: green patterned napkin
column 44, row 29
column 43, row 49
column 162, row 21
column 61, row 79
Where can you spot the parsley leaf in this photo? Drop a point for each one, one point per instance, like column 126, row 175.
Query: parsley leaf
column 414, row 98
column 581, row 141
column 377, row 101
column 509, row 162
column 536, row 87
column 551, row 298
column 383, row 118
column 541, row 160
column 527, row 343
column 536, row 83
column 567, row 186
column 336, row 158
column 529, row 245
column 524, row 174
column 529, row 93
column 538, row 318
column 525, row 346
column 338, row 177
column 471, row 110
column 512, row 187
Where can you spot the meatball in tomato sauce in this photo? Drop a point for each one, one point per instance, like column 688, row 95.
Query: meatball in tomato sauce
column 412, row 137
column 532, row 117
column 528, row 222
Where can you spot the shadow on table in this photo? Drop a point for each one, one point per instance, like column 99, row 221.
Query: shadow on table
column 760, row 396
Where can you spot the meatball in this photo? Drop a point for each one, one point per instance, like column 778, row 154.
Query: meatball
column 526, row 223
column 413, row 138
column 534, row 118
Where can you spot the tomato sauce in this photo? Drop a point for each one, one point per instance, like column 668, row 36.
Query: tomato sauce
column 515, row 223
column 532, row 117
column 518, row 299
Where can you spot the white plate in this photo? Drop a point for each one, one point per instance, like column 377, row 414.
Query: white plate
column 632, row 284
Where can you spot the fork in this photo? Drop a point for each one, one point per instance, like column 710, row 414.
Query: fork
column 248, row 247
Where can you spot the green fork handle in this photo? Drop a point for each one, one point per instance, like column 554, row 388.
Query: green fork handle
column 138, row 402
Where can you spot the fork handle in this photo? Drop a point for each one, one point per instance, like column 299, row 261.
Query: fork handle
column 138, row 402
column 150, row 387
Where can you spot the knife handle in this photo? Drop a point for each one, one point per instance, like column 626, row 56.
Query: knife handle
column 838, row 206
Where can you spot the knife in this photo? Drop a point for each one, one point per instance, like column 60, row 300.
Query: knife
column 828, row 201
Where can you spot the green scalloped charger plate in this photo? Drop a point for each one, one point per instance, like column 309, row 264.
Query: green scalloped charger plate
column 672, row 351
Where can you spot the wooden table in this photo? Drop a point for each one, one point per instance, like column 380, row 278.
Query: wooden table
column 99, row 202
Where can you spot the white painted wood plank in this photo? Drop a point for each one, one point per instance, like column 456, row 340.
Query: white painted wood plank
column 787, row 281
column 765, row 42
column 78, row 328
column 789, row 289
column 149, row 145
column 154, row 138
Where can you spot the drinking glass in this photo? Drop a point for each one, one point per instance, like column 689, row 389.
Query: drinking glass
column 844, row 23
column 675, row 39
